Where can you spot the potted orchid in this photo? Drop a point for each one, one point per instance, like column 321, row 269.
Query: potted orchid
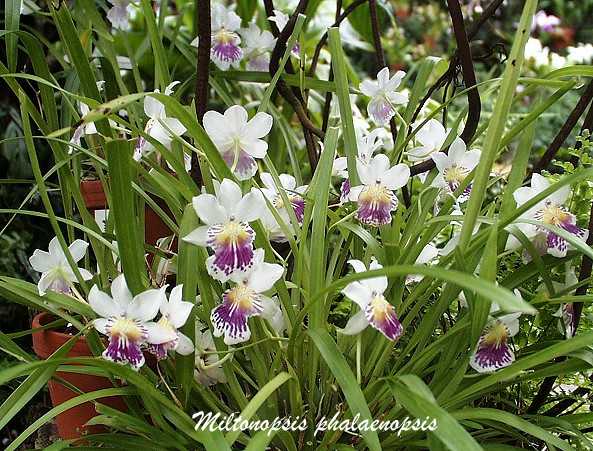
column 342, row 262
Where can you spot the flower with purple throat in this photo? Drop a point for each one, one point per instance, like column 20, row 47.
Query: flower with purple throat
column 375, row 196
column 272, row 193
column 258, row 45
column 174, row 314
column 238, row 139
column 383, row 94
column 225, row 50
column 227, row 231
column 244, row 300
column 551, row 211
column 493, row 351
column 375, row 310
column 127, row 321
column 454, row 167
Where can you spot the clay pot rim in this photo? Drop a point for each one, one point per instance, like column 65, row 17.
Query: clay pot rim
column 45, row 340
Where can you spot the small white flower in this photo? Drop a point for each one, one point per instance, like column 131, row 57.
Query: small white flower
column 29, row 7
column 374, row 308
column 545, row 22
column 294, row 195
column 158, row 127
column 56, row 273
column 454, row 167
column 375, row 197
column 238, row 140
column 427, row 255
column 227, row 231
column 581, row 54
column 127, row 321
column 367, row 144
column 565, row 312
column 384, row 98
column 257, row 47
column 174, row 314
column 119, row 14
column 537, row 54
column 431, row 137
column 281, row 19
column 245, row 300
column 207, row 371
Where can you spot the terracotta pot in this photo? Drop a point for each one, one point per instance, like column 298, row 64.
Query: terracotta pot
column 71, row 423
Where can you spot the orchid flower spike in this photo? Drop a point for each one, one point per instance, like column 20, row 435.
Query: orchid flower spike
column 375, row 197
column 224, row 49
column 383, row 95
column 550, row 211
column 245, row 300
column 454, row 167
column 374, row 308
column 127, row 321
column 174, row 314
column 161, row 127
column 238, row 140
column 493, row 351
column 56, row 273
column 272, row 194
column 227, row 231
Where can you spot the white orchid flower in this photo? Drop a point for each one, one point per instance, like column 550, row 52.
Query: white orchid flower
column 227, row 231
column 281, row 19
column 56, row 273
column 207, row 371
column 375, row 197
column 428, row 254
column 127, row 321
column 245, row 300
column 257, row 47
column 384, row 98
column 494, row 351
column 375, row 310
column 119, row 14
column 238, row 139
column 431, row 137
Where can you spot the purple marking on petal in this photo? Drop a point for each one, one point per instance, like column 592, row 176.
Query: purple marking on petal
column 298, row 205
column 296, row 50
column 233, row 246
column 125, row 337
column 569, row 319
column 161, row 350
column 556, row 242
column 381, row 315
column 238, row 304
column 493, row 351
column 375, row 205
column 245, row 165
column 381, row 110
column 225, row 48
column 259, row 63
column 345, row 191
column 60, row 285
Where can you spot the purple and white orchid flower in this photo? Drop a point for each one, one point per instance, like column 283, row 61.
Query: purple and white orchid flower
column 375, row 310
column 566, row 312
column 174, row 314
column 454, row 167
column 375, row 197
column 238, row 140
column 227, row 231
column 384, row 98
column 56, row 273
column 257, row 47
column 245, row 300
column 494, row 351
column 127, row 321
column 119, row 14
column 550, row 211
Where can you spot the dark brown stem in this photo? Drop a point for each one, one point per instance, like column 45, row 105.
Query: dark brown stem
column 566, row 129
column 328, row 94
column 203, row 21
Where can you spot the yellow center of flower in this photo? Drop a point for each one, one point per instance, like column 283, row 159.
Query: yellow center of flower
column 225, row 37
column 241, row 296
column 553, row 214
column 376, row 194
column 232, row 232
column 125, row 327
column 455, row 174
column 497, row 334
column 380, row 307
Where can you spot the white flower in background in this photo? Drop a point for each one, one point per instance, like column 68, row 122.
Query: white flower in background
column 119, row 14
column 374, row 308
column 238, row 140
column 257, row 47
column 224, row 51
column 538, row 55
column 428, row 254
column 493, row 351
column 245, row 300
column 294, row 195
column 82, row 130
column 272, row 313
column 566, row 311
column 431, row 138
column 207, row 371
column 581, row 54
column 174, row 314
column 454, row 167
column 281, row 20
column 56, row 273
column 557, row 61
column 29, row 7
column 227, row 231
column 452, row 242
column 384, row 98
column 375, row 197
column 550, row 211
column 544, row 22
column 158, row 127
column 127, row 321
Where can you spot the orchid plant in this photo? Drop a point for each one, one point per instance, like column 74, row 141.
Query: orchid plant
column 302, row 206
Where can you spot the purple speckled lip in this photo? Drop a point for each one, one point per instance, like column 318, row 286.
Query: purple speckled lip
column 345, row 191
column 298, row 205
column 375, row 205
column 493, row 355
column 381, row 315
column 238, row 305
column 381, row 110
column 161, row 350
column 125, row 339
column 225, row 48
column 233, row 246
column 245, row 163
